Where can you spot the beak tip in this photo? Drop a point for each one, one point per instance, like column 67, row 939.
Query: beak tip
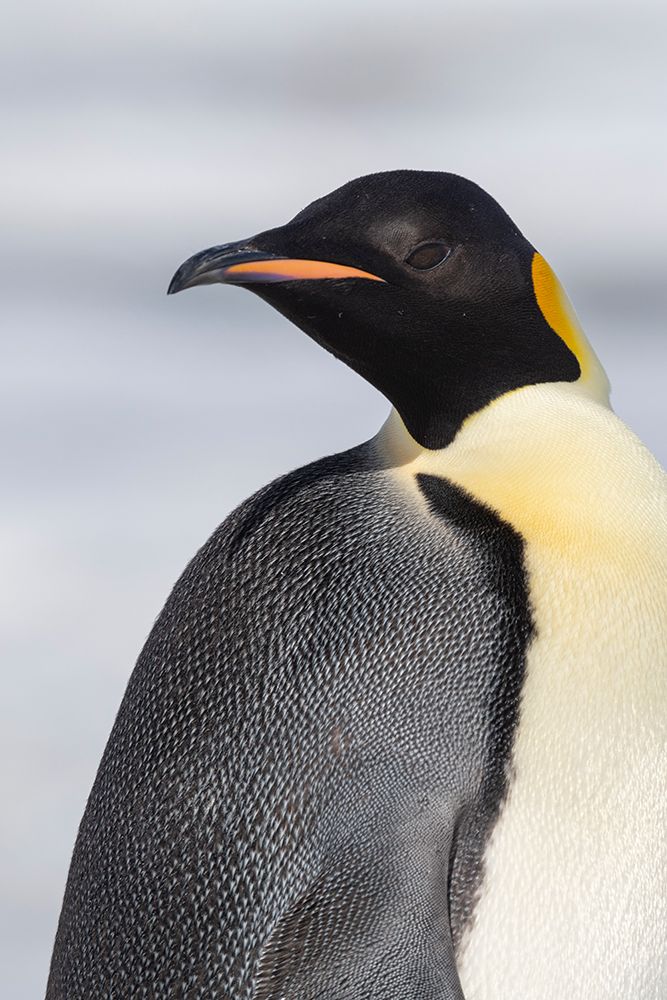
column 177, row 283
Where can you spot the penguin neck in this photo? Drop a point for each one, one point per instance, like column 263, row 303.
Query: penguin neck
column 552, row 460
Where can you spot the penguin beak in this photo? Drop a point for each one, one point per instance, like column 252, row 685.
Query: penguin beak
column 243, row 264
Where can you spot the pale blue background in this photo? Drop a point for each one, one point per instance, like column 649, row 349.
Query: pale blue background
column 135, row 133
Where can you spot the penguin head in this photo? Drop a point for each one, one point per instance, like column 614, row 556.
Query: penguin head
column 421, row 283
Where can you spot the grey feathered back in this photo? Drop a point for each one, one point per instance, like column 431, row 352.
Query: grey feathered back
column 309, row 756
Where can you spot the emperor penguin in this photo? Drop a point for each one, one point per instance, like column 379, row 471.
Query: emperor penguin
column 399, row 732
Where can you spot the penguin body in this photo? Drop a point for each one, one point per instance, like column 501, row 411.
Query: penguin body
column 399, row 731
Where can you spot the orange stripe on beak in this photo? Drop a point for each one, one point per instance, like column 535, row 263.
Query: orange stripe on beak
column 293, row 270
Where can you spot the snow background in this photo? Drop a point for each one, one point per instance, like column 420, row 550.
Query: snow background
column 134, row 134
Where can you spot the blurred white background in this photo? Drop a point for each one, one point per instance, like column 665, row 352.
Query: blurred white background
column 135, row 133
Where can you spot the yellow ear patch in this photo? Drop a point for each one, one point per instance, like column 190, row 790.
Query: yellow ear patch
column 558, row 312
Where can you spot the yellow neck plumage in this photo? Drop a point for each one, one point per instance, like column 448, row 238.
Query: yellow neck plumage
column 557, row 310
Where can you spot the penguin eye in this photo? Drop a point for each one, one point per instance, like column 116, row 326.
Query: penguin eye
column 428, row 255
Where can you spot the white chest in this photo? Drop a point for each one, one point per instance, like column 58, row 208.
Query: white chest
column 574, row 902
column 573, row 905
